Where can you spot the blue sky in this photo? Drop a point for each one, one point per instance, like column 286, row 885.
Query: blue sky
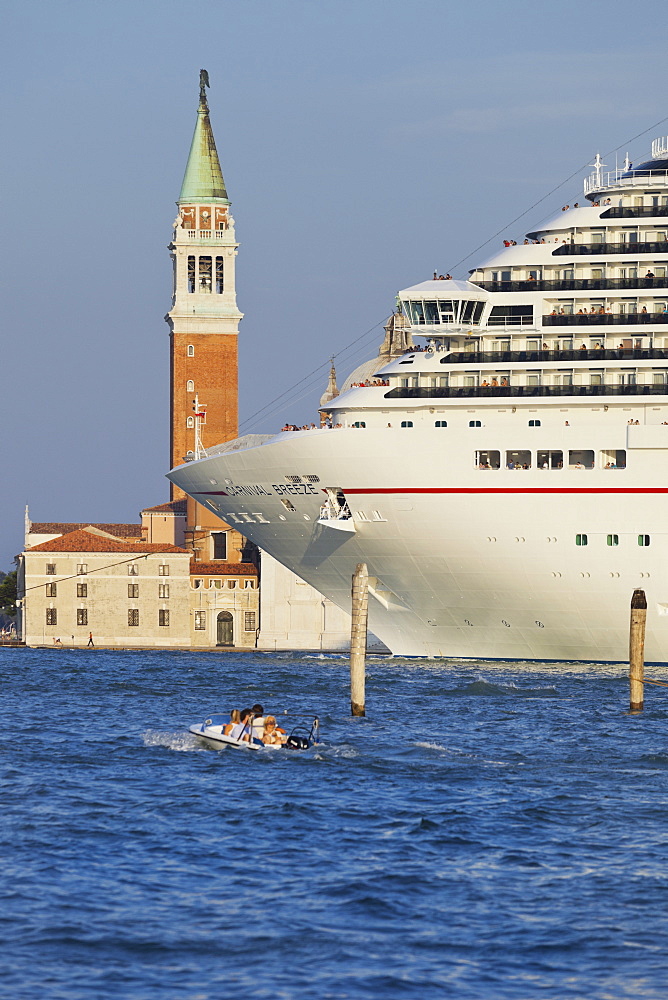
column 364, row 144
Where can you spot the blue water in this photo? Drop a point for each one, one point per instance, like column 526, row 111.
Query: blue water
column 486, row 832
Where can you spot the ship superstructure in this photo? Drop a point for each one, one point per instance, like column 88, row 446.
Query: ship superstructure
column 505, row 481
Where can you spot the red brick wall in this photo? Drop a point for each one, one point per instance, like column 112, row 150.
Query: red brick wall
column 214, row 370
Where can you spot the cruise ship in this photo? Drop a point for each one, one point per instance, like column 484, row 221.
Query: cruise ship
column 505, row 478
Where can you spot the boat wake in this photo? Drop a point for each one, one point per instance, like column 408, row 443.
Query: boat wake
column 172, row 741
column 463, row 753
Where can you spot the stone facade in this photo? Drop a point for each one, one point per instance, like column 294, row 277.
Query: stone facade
column 127, row 593
column 224, row 601
column 295, row 616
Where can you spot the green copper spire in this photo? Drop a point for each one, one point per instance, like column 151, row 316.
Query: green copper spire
column 203, row 179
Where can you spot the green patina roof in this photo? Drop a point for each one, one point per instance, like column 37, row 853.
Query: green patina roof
column 203, row 179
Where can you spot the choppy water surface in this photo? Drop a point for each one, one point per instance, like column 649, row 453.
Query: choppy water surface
column 486, row 832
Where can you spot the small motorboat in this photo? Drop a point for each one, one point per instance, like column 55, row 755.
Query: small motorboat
column 300, row 737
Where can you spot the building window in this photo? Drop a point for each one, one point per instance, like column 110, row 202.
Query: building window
column 133, row 590
column 643, row 539
column 219, row 544
column 82, row 569
column 406, row 423
column 163, row 590
column 441, row 423
column 163, row 617
column 197, row 584
column 231, row 584
column 534, row 423
column 82, row 590
column 133, row 570
column 220, row 275
column 133, row 616
column 248, row 584
column 191, row 274
column 50, row 569
column 163, row 570
column 613, row 539
column 51, row 590
column 475, row 423
column 190, row 386
column 581, row 540
column 191, row 350
column 249, row 621
column 200, row 621
column 51, row 616
column 82, row 616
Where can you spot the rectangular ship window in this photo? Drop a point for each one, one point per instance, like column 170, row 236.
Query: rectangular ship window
column 613, row 459
column 518, row 459
column 488, row 459
column 550, row 459
column 581, row 459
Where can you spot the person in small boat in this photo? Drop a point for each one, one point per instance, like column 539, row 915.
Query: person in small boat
column 258, row 721
column 235, row 717
column 242, row 730
column 273, row 735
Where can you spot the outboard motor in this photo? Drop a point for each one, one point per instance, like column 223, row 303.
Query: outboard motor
column 294, row 742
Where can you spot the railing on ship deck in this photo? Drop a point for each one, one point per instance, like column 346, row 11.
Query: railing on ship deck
column 522, row 391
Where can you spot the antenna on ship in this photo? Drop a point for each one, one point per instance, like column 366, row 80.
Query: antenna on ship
column 598, row 164
column 199, row 410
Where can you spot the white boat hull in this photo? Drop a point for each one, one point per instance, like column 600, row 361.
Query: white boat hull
column 464, row 562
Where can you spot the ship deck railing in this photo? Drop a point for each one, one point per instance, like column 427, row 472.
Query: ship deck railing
column 588, row 354
column 604, row 319
column 523, row 391
column 596, row 183
column 573, row 284
column 571, row 249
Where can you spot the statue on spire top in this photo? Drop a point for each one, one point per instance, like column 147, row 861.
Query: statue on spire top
column 203, row 82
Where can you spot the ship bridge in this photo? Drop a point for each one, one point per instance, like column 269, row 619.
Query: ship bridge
column 445, row 306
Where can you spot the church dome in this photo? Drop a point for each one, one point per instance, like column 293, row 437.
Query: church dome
column 397, row 339
column 364, row 371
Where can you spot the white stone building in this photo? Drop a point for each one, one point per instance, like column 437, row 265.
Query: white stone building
column 125, row 592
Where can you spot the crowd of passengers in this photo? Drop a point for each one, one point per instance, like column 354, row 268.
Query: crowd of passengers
column 546, row 465
column 251, row 725
column 376, row 381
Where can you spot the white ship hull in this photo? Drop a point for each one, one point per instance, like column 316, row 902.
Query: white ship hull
column 464, row 562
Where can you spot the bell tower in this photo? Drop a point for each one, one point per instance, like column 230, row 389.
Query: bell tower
column 204, row 319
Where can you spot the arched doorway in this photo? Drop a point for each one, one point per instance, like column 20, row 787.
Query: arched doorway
column 225, row 629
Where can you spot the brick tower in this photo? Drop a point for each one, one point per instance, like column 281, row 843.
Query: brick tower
column 204, row 319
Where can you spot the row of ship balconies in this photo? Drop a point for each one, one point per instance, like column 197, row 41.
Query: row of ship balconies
column 593, row 284
column 563, row 385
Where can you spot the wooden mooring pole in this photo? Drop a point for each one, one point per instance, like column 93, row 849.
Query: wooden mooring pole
column 637, row 650
column 360, row 598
